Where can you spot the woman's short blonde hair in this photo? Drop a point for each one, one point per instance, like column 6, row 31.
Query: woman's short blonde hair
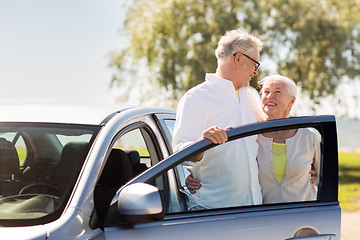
column 290, row 84
column 236, row 41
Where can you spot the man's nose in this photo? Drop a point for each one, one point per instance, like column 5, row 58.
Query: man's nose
column 256, row 72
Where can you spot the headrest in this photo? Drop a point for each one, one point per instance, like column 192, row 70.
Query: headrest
column 71, row 160
column 133, row 155
column 74, row 151
column 117, row 170
column 9, row 159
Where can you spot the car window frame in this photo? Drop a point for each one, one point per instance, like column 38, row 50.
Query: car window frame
column 164, row 129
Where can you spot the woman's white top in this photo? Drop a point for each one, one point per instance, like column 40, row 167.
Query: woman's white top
column 301, row 150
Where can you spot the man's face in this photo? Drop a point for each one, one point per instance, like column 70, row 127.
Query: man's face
column 247, row 67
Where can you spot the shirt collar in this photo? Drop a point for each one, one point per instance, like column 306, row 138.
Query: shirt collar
column 221, row 82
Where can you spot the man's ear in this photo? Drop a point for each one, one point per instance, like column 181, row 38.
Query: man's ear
column 237, row 57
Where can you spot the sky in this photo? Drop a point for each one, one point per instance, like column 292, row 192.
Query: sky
column 58, row 51
column 55, row 51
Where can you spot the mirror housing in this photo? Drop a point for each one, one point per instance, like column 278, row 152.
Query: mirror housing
column 140, row 203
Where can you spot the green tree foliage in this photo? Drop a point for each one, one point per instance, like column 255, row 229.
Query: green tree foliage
column 316, row 43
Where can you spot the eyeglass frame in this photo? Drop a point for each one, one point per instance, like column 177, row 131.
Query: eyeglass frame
column 257, row 63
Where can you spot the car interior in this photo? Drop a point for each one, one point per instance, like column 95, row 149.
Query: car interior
column 40, row 165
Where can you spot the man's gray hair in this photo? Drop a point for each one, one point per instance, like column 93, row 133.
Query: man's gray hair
column 236, row 41
column 290, row 84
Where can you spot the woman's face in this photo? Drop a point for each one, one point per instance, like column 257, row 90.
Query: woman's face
column 275, row 99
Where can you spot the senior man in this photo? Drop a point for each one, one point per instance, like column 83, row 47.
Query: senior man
column 228, row 175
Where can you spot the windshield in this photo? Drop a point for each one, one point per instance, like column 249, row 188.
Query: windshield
column 39, row 165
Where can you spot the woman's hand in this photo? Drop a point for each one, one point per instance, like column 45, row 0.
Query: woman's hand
column 314, row 176
column 193, row 184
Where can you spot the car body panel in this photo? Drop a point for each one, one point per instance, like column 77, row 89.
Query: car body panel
column 277, row 224
column 32, row 232
column 76, row 114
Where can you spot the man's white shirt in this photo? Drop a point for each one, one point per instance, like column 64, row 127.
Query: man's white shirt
column 228, row 172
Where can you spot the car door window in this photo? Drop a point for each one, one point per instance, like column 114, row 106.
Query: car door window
column 141, row 148
column 282, row 170
column 170, row 124
column 134, row 140
column 166, row 123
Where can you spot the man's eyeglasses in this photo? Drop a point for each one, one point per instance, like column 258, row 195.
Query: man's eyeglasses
column 257, row 63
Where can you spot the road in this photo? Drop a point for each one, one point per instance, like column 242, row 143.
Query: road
column 350, row 225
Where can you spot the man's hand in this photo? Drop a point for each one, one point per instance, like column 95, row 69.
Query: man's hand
column 192, row 183
column 216, row 135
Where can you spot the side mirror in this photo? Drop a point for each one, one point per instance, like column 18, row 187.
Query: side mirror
column 140, row 203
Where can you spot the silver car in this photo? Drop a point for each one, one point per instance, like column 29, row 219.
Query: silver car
column 108, row 172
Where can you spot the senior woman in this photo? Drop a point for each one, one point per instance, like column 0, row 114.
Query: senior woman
column 287, row 158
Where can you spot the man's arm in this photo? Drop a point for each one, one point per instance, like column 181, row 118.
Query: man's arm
column 190, row 123
column 216, row 135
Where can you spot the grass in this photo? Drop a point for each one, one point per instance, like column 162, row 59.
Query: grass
column 349, row 179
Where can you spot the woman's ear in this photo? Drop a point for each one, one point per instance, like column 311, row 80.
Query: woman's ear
column 292, row 101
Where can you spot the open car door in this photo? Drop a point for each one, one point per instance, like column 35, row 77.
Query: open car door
column 139, row 211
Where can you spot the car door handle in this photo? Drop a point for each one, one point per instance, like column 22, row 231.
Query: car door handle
column 316, row 237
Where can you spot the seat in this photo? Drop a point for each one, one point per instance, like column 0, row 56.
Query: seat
column 9, row 160
column 117, row 172
column 65, row 174
column 9, row 167
column 41, row 169
column 71, row 160
column 134, row 157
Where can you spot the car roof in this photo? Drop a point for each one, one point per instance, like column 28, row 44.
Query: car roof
column 70, row 114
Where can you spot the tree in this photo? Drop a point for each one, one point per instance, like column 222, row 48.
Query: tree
column 316, row 43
